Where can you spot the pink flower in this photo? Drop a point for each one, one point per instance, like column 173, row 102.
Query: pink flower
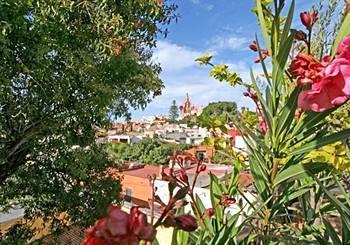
column 121, row 228
column 307, row 69
column 331, row 91
column 186, row 222
column 344, row 48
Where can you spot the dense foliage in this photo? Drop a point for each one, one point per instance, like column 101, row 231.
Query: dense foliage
column 66, row 68
column 224, row 111
column 148, row 151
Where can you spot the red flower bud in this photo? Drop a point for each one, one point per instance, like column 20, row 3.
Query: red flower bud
column 183, row 176
column 300, row 36
column 306, row 20
column 314, row 16
column 209, row 212
column 186, row 222
column 253, row 47
column 246, row 94
column 230, row 201
column 202, row 168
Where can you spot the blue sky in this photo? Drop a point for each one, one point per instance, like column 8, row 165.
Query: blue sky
column 224, row 28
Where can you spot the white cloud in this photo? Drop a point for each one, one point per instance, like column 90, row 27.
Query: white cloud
column 173, row 57
column 181, row 75
column 200, row 3
column 229, row 42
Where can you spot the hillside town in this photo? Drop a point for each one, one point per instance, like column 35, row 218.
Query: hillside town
column 172, row 133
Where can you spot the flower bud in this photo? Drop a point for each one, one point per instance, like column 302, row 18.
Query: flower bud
column 183, row 176
column 246, row 94
column 314, row 16
column 306, row 20
column 202, row 168
column 230, row 201
column 300, row 36
column 186, row 222
column 209, row 212
column 253, row 47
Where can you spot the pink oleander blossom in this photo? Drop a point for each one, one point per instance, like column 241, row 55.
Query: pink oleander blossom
column 344, row 49
column 329, row 79
column 333, row 90
column 120, row 228
column 307, row 69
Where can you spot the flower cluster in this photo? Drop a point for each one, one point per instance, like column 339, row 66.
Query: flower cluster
column 262, row 121
column 309, row 19
column 121, row 228
column 329, row 79
column 263, row 52
column 326, row 82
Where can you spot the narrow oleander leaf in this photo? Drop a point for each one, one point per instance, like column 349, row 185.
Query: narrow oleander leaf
column 262, row 61
column 319, row 142
column 287, row 113
column 342, row 33
column 263, row 25
column 343, row 210
column 299, row 171
column 155, row 242
column 282, row 58
column 223, row 236
column 266, row 110
column 260, row 179
column 201, row 208
column 331, row 232
column 288, row 23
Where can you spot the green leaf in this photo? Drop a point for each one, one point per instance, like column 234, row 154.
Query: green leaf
column 262, row 23
column 319, row 142
column 282, row 58
column 287, row 114
column 299, row 171
column 222, row 237
column 288, row 23
column 260, row 179
column 201, row 208
column 265, row 108
column 331, row 232
column 343, row 210
column 155, row 242
column 343, row 32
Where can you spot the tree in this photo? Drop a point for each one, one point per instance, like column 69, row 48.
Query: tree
column 173, row 112
column 66, row 68
column 224, row 111
column 147, row 151
column 249, row 118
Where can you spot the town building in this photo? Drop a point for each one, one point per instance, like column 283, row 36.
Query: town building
column 189, row 109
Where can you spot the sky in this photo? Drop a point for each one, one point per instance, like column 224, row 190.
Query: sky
column 224, row 28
